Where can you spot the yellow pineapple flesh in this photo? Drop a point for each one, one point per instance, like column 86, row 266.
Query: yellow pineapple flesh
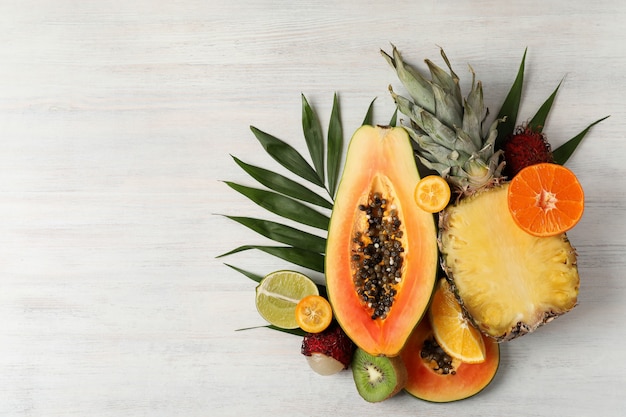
column 508, row 281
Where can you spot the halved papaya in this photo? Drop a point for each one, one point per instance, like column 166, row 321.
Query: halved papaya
column 434, row 376
column 381, row 253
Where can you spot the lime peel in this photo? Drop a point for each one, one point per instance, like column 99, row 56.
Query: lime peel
column 279, row 292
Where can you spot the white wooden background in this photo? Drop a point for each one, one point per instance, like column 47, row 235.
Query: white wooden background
column 117, row 121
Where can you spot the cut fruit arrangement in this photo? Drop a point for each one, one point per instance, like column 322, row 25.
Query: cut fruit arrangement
column 445, row 238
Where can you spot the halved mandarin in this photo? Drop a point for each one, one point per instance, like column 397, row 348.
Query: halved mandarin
column 314, row 314
column 546, row 199
column 452, row 331
column 432, row 193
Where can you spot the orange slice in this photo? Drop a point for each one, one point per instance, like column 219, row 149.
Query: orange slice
column 314, row 314
column 432, row 193
column 456, row 336
column 546, row 199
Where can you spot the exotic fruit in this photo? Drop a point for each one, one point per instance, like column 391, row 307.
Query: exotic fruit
column 527, row 146
column 508, row 282
column 328, row 352
column 435, row 376
column 381, row 252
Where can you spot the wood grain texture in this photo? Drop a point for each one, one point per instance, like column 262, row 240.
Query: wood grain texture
column 118, row 120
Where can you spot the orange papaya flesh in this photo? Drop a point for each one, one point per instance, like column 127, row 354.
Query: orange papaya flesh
column 436, row 379
column 381, row 253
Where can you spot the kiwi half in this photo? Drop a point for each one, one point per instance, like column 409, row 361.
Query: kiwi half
column 378, row 377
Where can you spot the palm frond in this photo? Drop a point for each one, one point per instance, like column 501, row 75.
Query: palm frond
column 538, row 121
column 509, row 113
column 314, row 138
column 283, row 234
column 510, row 106
column 369, row 116
column 254, row 277
column 283, row 206
column 335, row 148
column 287, row 156
column 301, row 257
column 284, row 185
column 287, row 197
column 563, row 152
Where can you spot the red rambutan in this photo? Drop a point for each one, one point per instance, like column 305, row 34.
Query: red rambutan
column 525, row 147
column 331, row 344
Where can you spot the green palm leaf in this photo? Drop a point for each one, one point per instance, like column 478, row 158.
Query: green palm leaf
column 563, row 152
column 283, row 234
column 251, row 275
column 283, row 206
column 369, row 116
column 283, row 185
column 258, row 278
column 287, row 156
column 302, row 257
column 509, row 112
column 394, row 118
column 314, row 137
column 510, row 106
column 287, row 198
column 335, row 147
column 539, row 119
column 296, row 332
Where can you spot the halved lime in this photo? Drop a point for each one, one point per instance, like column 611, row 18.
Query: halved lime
column 278, row 294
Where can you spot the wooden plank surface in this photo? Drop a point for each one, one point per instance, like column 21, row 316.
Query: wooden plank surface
column 118, row 120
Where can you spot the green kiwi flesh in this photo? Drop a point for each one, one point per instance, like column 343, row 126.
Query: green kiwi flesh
column 378, row 377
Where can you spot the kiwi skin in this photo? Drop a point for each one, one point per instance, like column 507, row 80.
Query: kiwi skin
column 378, row 378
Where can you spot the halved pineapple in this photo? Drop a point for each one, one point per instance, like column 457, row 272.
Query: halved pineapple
column 508, row 281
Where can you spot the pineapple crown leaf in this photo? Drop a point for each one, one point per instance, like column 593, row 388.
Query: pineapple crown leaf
column 438, row 132
column 475, row 113
column 417, row 86
column 449, row 83
column 447, row 109
column 450, row 140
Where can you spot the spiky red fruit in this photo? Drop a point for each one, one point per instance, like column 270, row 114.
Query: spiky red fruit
column 525, row 147
column 331, row 342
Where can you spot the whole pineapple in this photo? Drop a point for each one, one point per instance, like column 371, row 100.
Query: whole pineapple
column 508, row 282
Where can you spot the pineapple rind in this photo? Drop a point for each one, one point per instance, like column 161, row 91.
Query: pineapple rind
column 508, row 281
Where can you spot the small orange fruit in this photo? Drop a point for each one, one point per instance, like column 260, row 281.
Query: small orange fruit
column 456, row 336
column 314, row 314
column 432, row 193
column 546, row 199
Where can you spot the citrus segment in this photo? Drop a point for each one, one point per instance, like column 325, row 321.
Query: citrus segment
column 432, row 193
column 314, row 314
column 456, row 336
column 278, row 294
column 545, row 199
